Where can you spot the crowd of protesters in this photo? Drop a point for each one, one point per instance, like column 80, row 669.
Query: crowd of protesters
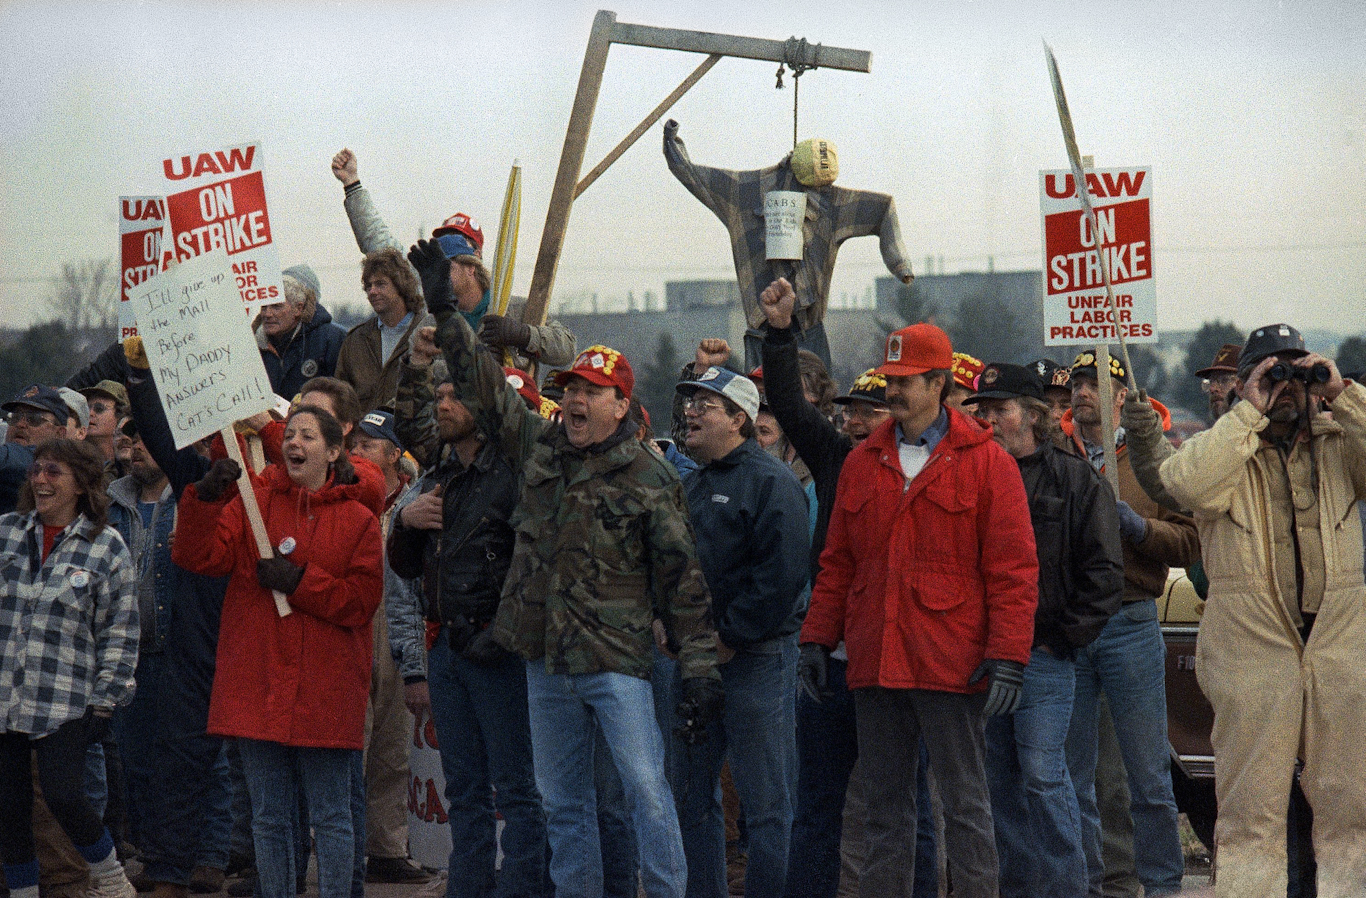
column 844, row 610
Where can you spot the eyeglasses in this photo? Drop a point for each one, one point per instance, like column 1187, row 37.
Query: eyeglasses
column 32, row 418
column 52, row 469
column 1222, row 382
column 701, row 406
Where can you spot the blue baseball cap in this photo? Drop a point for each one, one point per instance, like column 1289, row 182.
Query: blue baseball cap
column 43, row 398
column 380, row 425
column 457, row 245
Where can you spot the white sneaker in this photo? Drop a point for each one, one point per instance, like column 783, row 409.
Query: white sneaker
column 114, row 884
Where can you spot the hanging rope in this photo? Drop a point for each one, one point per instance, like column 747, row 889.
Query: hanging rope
column 794, row 54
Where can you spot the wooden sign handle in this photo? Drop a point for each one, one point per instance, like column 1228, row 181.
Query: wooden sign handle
column 258, row 524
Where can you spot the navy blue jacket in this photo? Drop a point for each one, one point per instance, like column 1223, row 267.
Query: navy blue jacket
column 311, row 352
column 749, row 513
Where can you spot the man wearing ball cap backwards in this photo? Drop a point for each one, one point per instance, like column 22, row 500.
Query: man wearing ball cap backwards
column 1275, row 486
column 603, row 547
column 1081, row 575
column 936, row 611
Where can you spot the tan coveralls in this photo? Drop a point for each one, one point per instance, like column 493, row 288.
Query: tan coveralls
column 1274, row 696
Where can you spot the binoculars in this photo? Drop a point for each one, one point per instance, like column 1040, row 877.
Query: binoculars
column 1283, row 371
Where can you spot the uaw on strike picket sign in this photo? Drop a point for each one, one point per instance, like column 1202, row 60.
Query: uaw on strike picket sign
column 199, row 344
column 142, row 221
column 216, row 200
column 1074, row 307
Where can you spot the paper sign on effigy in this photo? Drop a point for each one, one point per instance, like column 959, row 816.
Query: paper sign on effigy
column 203, row 356
column 784, row 216
column 142, row 220
column 1074, row 303
column 217, row 200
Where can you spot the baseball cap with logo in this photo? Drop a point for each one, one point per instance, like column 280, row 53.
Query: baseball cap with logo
column 525, row 387
column 870, row 387
column 1002, row 381
column 41, row 397
column 460, row 223
column 457, row 245
column 601, row 365
column 725, row 382
column 380, row 425
column 1280, row 340
column 1053, row 375
column 1085, row 363
column 915, row 350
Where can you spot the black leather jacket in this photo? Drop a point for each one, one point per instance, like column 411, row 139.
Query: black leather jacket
column 464, row 565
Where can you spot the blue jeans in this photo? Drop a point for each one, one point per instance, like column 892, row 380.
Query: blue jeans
column 757, row 733
column 1128, row 662
column 563, row 710
column 620, row 859
column 1033, row 802
column 273, row 771
column 484, row 736
column 827, row 749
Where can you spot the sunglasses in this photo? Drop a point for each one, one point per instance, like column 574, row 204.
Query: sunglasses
column 52, row 469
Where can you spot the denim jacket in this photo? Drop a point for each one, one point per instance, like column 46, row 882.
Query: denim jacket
column 125, row 517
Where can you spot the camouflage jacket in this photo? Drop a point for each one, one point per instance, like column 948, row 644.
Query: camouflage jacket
column 603, row 545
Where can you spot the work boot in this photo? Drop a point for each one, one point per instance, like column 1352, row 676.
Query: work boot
column 206, row 880
column 168, row 890
column 396, row 870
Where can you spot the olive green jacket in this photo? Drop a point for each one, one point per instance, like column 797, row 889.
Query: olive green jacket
column 604, row 545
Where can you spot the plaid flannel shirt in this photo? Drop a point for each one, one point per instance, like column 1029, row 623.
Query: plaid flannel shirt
column 68, row 626
column 833, row 215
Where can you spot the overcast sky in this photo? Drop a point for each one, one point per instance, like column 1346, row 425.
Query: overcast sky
column 1251, row 115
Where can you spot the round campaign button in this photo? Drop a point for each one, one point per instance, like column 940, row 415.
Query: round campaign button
column 287, row 545
column 80, row 579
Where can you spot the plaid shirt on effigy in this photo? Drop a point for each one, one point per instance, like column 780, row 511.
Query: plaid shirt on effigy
column 833, row 215
column 68, row 626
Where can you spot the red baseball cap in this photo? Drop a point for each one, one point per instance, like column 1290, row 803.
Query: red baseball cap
column 965, row 370
column 915, row 350
column 525, row 387
column 460, row 223
column 601, row 365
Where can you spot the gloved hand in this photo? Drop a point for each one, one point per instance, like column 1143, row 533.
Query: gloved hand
column 1005, row 685
column 1132, row 525
column 670, row 129
column 215, row 483
column 434, row 269
column 812, row 665
column 482, row 649
column 703, row 698
column 278, row 573
column 498, row 331
column 136, row 355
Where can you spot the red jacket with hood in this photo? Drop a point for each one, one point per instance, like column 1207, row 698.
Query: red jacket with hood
column 304, row 679
column 923, row 580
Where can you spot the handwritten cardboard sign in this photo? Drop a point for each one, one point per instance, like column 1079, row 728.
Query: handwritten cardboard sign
column 217, row 201
column 203, row 356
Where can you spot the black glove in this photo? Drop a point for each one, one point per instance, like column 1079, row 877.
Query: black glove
column 279, row 573
column 701, row 704
column 215, row 483
column 483, row 649
column 498, row 331
column 811, row 670
column 1005, row 685
column 434, row 269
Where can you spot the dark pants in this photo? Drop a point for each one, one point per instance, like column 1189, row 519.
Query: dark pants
column 483, row 732
column 827, row 747
column 60, row 759
column 813, row 339
column 891, row 723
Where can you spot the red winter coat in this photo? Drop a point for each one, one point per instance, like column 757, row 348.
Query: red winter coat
column 303, row 679
column 923, row 581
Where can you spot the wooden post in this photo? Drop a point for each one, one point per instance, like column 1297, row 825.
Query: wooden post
column 607, row 31
column 258, row 524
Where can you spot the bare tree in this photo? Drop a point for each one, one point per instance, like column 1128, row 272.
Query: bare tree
column 85, row 294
